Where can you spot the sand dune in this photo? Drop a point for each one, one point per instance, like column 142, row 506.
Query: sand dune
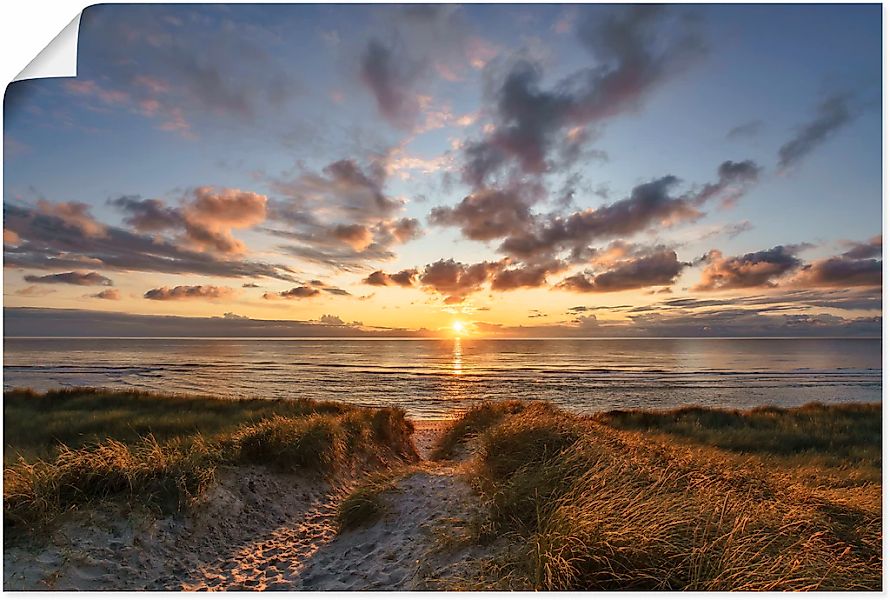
column 260, row 530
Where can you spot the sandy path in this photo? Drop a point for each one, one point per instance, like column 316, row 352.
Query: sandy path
column 266, row 531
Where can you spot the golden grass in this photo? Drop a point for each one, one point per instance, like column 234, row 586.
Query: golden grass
column 599, row 506
column 36, row 425
column 364, row 505
column 172, row 475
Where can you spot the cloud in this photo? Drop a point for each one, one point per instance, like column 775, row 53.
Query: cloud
column 390, row 78
column 755, row 269
column 111, row 294
column 872, row 248
column 75, row 215
column 293, row 293
column 204, row 219
column 404, row 278
column 211, row 214
column 719, row 323
column 331, row 320
column 780, row 300
column 73, row 278
column 780, row 266
column 335, row 291
column 648, row 204
column 189, row 292
column 833, row 114
column 748, row 129
column 148, row 215
column 536, row 238
column 144, row 61
column 52, row 239
column 841, row 272
column 341, row 217
column 524, row 276
column 456, row 280
column 635, row 50
column 488, row 214
column 646, row 268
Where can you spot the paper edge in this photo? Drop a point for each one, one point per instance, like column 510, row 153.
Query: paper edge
column 58, row 58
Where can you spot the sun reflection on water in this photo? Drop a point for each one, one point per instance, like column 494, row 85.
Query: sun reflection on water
column 457, row 362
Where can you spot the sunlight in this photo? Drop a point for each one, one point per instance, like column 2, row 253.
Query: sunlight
column 459, row 328
column 457, row 364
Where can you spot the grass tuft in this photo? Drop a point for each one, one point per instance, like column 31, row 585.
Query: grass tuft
column 598, row 505
column 475, row 420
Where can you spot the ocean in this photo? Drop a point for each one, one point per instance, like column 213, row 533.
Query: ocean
column 437, row 378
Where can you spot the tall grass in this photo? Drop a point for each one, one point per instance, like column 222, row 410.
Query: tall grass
column 476, row 419
column 36, row 425
column 173, row 474
column 595, row 507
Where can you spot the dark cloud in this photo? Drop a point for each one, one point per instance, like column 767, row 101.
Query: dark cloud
column 73, row 278
column 331, row 320
column 404, row 278
column 456, row 280
column 719, row 323
column 658, row 266
column 143, row 60
column 293, row 293
column 840, row 272
column 390, row 76
column 755, row 269
column 648, row 204
column 55, row 236
column 872, row 248
column 785, row 299
column 250, row 285
column 341, row 217
column 189, row 292
column 111, row 294
column 635, row 49
column 487, row 214
column 148, row 215
column 335, row 291
column 832, row 115
column 745, row 130
column 524, row 276
column 84, row 323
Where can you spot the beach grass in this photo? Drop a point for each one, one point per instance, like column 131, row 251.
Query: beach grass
column 172, row 474
column 691, row 499
column 36, row 425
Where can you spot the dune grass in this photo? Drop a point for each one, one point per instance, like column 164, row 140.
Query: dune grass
column 476, row 419
column 364, row 505
column 171, row 475
column 35, row 425
column 601, row 503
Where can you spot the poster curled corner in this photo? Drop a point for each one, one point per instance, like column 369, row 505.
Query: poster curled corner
column 58, row 58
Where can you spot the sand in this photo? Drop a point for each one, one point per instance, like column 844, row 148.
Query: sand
column 259, row 530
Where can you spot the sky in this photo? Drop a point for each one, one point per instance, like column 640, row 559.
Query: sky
column 502, row 170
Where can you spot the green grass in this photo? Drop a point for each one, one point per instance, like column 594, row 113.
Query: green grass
column 172, row 474
column 837, row 433
column 36, row 424
column 364, row 504
column 713, row 500
column 476, row 419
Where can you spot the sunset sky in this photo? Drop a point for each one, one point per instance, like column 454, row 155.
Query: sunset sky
column 524, row 170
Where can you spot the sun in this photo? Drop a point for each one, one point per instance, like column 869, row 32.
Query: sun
column 459, row 328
